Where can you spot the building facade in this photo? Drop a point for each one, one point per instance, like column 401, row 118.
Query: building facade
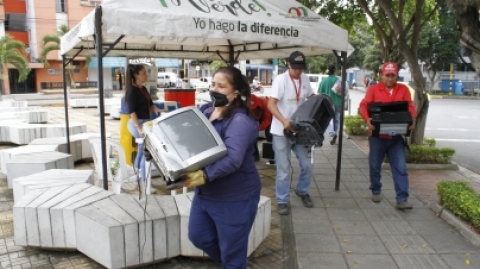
column 29, row 21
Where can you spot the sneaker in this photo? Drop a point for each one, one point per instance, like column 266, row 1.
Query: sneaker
column 283, row 209
column 271, row 162
column 377, row 198
column 334, row 139
column 307, row 201
column 403, row 205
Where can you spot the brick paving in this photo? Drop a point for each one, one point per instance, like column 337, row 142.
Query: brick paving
column 344, row 229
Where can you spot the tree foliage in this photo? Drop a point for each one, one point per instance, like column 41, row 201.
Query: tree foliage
column 13, row 52
column 466, row 13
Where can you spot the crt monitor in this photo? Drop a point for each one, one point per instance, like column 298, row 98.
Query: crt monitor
column 310, row 121
column 183, row 141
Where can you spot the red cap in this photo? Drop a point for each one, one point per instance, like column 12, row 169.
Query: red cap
column 389, row 68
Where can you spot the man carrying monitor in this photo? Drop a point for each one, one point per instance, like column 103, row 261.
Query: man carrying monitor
column 387, row 91
column 289, row 91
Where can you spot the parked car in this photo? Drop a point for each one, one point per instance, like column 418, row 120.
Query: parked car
column 200, row 84
column 166, row 79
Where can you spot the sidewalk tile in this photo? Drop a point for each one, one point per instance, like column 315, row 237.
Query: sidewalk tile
column 406, row 244
column 317, row 242
column 366, row 244
column 420, row 262
column 310, row 260
column 452, row 242
column 304, row 213
column 374, row 214
column 345, row 214
column 340, row 202
column 352, row 227
column 312, row 226
column 462, row 260
column 368, row 261
column 393, row 227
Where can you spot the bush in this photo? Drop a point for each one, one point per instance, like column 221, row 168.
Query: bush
column 355, row 125
column 461, row 199
column 429, row 153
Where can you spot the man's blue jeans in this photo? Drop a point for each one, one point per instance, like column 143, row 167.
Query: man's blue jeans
column 336, row 122
column 395, row 150
column 139, row 162
column 221, row 229
column 282, row 148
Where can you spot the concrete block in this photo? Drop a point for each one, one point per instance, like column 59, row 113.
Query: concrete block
column 160, row 243
column 69, row 221
column 5, row 128
column 169, row 207
column 60, row 130
column 108, row 104
column 100, row 237
column 44, row 217
column 183, row 205
column 61, row 143
column 17, row 109
column 56, row 213
column 36, row 162
column 83, row 137
column 92, row 102
column 130, row 230
column 50, row 178
column 8, row 154
column 132, row 206
column 12, row 103
column 22, row 134
column 31, row 116
column 19, row 219
column 31, row 217
column 115, row 111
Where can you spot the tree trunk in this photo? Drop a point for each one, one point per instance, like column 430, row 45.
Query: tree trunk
column 420, row 100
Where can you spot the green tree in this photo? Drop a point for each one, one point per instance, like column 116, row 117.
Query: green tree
column 214, row 65
column 466, row 13
column 439, row 44
column 12, row 52
column 52, row 43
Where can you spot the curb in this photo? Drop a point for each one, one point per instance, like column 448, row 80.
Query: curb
column 471, row 235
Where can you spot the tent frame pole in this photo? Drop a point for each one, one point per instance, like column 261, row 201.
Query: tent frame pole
column 99, row 50
column 65, row 101
column 342, row 58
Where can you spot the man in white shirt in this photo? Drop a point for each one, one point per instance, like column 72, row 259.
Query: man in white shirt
column 289, row 91
column 255, row 83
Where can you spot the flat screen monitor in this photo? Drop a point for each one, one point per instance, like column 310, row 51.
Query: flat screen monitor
column 183, row 141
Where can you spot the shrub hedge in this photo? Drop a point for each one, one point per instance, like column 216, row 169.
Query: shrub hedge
column 429, row 153
column 461, row 199
column 354, row 125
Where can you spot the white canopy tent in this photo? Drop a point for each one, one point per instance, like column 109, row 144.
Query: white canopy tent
column 228, row 30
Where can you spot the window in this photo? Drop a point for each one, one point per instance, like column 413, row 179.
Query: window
column 76, row 70
column 53, row 71
column 15, row 22
column 61, row 6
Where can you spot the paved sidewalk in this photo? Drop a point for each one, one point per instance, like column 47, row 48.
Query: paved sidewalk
column 344, row 229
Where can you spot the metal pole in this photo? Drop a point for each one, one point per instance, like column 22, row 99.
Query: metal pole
column 99, row 49
column 65, row 102
column 340, row 131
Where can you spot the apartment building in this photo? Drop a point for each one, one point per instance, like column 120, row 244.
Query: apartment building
column 29, row 21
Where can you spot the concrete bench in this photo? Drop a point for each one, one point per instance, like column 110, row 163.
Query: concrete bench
column 30, row 163
column 76, row 103
column 50, row 178
column 17, row 109
column 31, row 116
column 114, row 230
column 108, row 104
column 5, row 128
column 8, row 154
column 22, row 134
column 12, row 103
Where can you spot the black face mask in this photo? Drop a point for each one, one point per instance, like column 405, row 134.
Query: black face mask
column 219, row 99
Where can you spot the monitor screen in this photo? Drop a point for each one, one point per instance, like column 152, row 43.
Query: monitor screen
column 182, row 141
column 187, row 134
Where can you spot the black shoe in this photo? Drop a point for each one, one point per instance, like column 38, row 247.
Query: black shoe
column 283, row 209
column 257, row 158
column 403, row 205
column 307, row 201
column 334, row 139
column 271, row 162
column 376, row 197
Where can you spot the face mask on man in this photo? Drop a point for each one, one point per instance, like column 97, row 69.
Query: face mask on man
column 219, row 99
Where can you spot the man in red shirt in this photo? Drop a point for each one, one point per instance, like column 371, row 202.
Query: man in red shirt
column 262, row 115
column 388, row 90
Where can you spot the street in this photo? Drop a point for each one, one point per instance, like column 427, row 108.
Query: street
column 453, row 123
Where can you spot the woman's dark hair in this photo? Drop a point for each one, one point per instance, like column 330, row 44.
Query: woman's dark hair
column 240, row 83
column 131, row 70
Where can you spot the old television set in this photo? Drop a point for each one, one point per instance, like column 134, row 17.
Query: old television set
column 391, row 118
column 182, row 141
column 310, row 121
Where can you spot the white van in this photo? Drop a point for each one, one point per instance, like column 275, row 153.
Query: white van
column 166, row 79
column 315, row 80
